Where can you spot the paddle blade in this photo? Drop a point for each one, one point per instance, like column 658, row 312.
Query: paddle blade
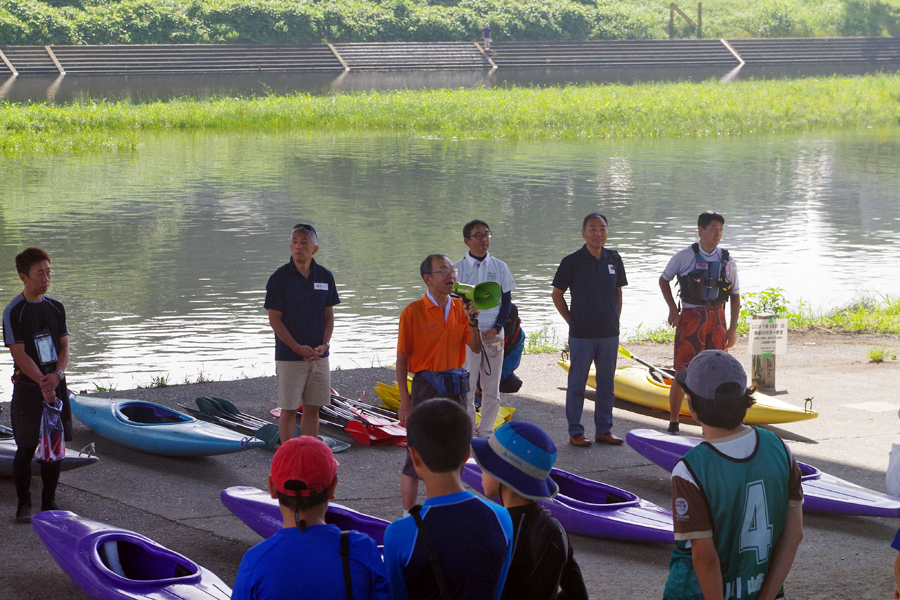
column 269, row 434
column 358, row 432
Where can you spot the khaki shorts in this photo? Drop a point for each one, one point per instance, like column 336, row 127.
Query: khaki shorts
column 303, row 382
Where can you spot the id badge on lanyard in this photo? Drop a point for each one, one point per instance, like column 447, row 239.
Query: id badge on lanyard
column 46, row 349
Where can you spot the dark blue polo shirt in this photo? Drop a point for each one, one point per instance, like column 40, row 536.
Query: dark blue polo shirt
column 302, row 304
column 593, row 310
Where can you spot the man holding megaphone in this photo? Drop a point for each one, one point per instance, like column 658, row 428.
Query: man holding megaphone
column 434, row 333
column 491, row 285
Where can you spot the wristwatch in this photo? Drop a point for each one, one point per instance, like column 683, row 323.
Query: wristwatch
column 327, row 344
column 62, row 374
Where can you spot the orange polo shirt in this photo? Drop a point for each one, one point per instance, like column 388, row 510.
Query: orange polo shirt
column 430, row 343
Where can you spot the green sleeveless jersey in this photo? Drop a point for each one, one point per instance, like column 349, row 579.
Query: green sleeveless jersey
column 747, row 501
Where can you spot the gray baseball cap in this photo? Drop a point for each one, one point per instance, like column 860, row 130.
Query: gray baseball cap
column 711, row 369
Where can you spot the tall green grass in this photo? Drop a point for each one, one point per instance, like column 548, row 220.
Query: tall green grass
column 583, row 112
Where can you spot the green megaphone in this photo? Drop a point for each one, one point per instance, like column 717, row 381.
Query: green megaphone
column 483, row 295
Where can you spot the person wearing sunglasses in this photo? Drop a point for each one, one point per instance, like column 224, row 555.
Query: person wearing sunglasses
column 300, row 300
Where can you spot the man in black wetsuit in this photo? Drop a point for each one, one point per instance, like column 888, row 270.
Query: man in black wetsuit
column 34, row 330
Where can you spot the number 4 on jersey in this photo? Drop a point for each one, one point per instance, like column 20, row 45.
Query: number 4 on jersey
column 756, row 531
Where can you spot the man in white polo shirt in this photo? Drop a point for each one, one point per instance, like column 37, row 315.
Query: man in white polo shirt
column 479, row 266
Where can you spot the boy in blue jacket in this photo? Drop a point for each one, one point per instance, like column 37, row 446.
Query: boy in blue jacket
column 455, row 545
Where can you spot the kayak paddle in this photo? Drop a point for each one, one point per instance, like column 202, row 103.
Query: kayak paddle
column 652, row 368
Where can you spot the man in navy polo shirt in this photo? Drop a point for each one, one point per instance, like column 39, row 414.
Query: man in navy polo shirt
column 300, row 299
column 594, row 277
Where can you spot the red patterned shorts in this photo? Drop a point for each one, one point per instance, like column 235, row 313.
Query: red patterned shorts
column 699, row 329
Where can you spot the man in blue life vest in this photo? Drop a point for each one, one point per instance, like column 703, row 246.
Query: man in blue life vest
column 737, row 501
column 707, row 278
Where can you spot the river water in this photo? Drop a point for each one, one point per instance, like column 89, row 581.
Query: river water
column 161, row 256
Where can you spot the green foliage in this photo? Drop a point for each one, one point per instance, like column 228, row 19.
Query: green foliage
column 879, row 354
column 774, row 18
column 109, row 387
column 869, row 18
column 584, row 112
column 867, row 315
column 662, row 334
column 159, row 381
column 542, row 341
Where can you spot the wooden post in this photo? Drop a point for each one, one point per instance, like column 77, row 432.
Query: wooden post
column 671, row 19
column 699, row 20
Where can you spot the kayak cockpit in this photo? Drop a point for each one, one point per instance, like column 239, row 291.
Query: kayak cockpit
column 808, row 472
column 134, row 559
column 147, row 413
column 591, row 493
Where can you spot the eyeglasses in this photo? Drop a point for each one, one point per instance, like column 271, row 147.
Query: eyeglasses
column 303, row 227
column 481, row 236
column 446, row 272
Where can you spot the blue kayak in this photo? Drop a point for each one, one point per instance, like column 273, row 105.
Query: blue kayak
column 157, row 429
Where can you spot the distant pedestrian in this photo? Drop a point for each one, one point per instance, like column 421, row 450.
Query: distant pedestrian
column 594, row 277
column 486, row 36
column 34, row 330
column 300, row 299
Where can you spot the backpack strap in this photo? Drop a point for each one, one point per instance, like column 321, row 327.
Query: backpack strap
column 695, row 247
column 345, row 560
column 433, row 558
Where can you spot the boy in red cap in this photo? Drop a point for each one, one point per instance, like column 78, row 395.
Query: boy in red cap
column 305, row 557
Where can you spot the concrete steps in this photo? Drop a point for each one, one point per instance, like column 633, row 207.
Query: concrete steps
column 212, row 58
column 612, row 54
column 173, row 58
column 412, row 55
column 816, row 50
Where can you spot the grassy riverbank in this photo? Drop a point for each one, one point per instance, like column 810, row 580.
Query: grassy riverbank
column 582, row 112
column 298, row 21
column 868, row 315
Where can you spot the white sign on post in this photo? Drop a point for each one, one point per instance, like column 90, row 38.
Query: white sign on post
column 768, row 336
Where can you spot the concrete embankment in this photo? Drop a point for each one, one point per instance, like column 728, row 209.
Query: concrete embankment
column 221, row 58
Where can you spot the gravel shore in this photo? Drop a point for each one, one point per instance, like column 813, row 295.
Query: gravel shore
column 176, row 501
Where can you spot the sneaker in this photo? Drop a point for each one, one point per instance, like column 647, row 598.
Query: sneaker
column 673, row 428
column 23, row 513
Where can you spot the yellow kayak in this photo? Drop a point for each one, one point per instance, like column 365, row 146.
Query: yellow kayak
column 390, row 399
column 635, row 384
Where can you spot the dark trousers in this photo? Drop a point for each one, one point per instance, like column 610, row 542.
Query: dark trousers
column 422, row 391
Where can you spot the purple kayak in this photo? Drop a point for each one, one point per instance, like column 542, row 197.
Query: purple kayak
column 588, row 507
column 109, row 563
column 822, row 493
column 260, row 512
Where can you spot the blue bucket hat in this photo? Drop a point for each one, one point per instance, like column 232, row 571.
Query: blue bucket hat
column 519, row 455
